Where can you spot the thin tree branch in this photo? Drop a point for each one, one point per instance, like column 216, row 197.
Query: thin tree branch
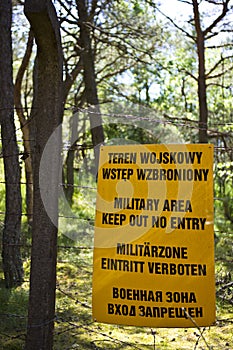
column 225, row 9
column 217, row 64
column 171, row 20
column 220, row 74
column 19, row 79
column 70, row 78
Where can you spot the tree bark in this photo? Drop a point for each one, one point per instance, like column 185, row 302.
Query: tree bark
column 25, row 127
column 12, row 263
column 90, row 79
column 69, row 188
column 202, row 96
column 46, row 115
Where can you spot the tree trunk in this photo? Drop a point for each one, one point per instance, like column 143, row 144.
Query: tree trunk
column 25, row 127
column 69, row 188
column 47, row 115
column 202, row 97
column 90, row 80
column 12, row 263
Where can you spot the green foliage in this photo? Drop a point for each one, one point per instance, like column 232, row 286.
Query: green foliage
column 224, row 214
column 13, row 317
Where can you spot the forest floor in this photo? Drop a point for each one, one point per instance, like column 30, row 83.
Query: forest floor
column 75, row 329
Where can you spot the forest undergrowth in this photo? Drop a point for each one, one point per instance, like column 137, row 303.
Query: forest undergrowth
column 75, row 329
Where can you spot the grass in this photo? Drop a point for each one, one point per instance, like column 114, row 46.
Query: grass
column 74, row 328
column 74, row 300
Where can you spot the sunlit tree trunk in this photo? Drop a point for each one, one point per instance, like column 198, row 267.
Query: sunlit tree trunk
column 47, row 115
column 202, row 96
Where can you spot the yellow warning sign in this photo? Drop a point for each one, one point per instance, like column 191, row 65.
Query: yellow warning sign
column 154, row 242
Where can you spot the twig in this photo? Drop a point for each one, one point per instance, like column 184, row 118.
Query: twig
column 199, row 328
column 153, row 332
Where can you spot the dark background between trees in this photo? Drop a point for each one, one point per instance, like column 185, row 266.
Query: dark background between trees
column 102, row 67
